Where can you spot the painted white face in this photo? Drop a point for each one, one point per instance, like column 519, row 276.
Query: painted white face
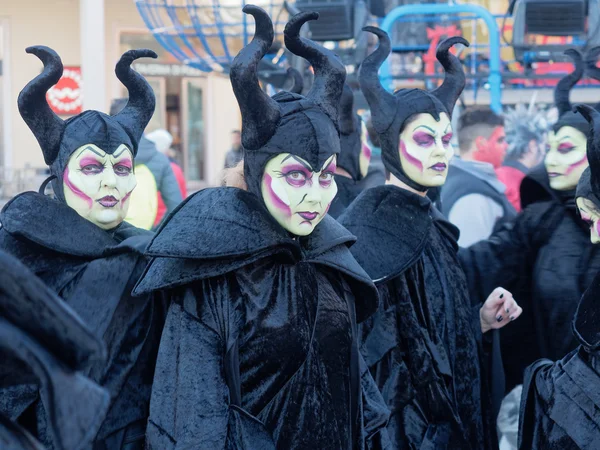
column 98, row 185
column 566, row 158
column 591, row 215
column 425, row 149
column 365, row 151
column 296, row 195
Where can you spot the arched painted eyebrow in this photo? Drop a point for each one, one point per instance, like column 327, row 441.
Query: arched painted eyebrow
column 299, row 162
column 425, row 126
column 121, row 152
column 92, row 149
column 446, row 130
column 564, row 137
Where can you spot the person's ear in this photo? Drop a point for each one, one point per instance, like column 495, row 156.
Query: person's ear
column 480, row 143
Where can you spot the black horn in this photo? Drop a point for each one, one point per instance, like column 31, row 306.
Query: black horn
column 46, row 126
column 330, row 73
column 347, row 122
column 564, row 86
column 297, row 81
column 454, row 79
column 260, row 113
column 591, row 59
column 593, row 144
column 381, row 102
column 140, row 106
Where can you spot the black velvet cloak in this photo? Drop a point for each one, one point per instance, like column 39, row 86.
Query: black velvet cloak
column 93, row 271
column 424, row 345
column 44, row 344
column 560, row 406
column 260, row 348
column 547, row 261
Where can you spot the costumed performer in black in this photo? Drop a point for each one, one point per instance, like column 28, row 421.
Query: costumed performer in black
column 544, row 258
column 80, row 247
column 424, row 345
column 45, row 344
column 260, row 346
column 354, row 158
column 560, row 405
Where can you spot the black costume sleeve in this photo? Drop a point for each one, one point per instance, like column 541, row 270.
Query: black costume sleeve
column 192, row 404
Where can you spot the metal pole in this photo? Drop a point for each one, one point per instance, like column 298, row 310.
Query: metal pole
column 494, row 78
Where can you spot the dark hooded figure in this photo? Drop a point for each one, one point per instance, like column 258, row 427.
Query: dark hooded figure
column 424, row 345
column 260, row 345
column 80, row 247
column 560, row 405
column 355, row 156
column 545, row 257
column 45, row 345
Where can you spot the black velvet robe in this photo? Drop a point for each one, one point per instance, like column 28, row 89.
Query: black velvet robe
column 545, row 258
column 560, row 405
column 348, row 190
column 94, row 271
column 259, row 349
column 44, row 343
column 424, row 345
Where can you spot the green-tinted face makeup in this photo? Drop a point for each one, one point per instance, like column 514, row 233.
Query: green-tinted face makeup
column 425, row 149
column 566, row 158
column 98, row 185
column 591, row 215
column 297, row 195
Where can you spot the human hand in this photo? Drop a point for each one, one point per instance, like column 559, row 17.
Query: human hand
column 499, row 309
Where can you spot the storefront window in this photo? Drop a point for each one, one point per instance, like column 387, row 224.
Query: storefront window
column 195, row 132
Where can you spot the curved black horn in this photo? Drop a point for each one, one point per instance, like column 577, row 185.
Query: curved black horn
column 454, row 80
column 591, row 59
column 260, row 113
column 330, row 73
column 381, row 102
column 564, row 86
column 593, row 144
column 298, row 82
column 347, row 122
column 46, row 126
column 140, row 106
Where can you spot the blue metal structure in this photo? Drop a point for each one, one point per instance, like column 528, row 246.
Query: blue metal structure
column 476, row 12
column 205, row 34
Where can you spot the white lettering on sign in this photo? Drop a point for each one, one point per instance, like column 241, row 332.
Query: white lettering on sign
column 167, row 70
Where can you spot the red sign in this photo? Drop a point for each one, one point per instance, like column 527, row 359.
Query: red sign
column 64, row 98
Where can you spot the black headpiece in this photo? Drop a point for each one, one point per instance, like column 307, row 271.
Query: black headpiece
column 589, row 183
column 350, row 135
column 59, row 138
column 287, row 123
column 297, row 81
column 567, row 117
column 389, row 112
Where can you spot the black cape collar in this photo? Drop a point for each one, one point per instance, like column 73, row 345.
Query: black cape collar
column 392, row 226
column 53, row 225
column 220, row 230
column 586, row 323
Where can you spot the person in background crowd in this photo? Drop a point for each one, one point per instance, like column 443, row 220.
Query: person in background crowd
column 526, row 130
column 236, row 154
column 163, row 140
column 154, row 175
column 545, row 257
column 376, row 173
column 79, row 245
column 560, row 405
column 354, row 158
column 473, row 198
column 425, row 346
